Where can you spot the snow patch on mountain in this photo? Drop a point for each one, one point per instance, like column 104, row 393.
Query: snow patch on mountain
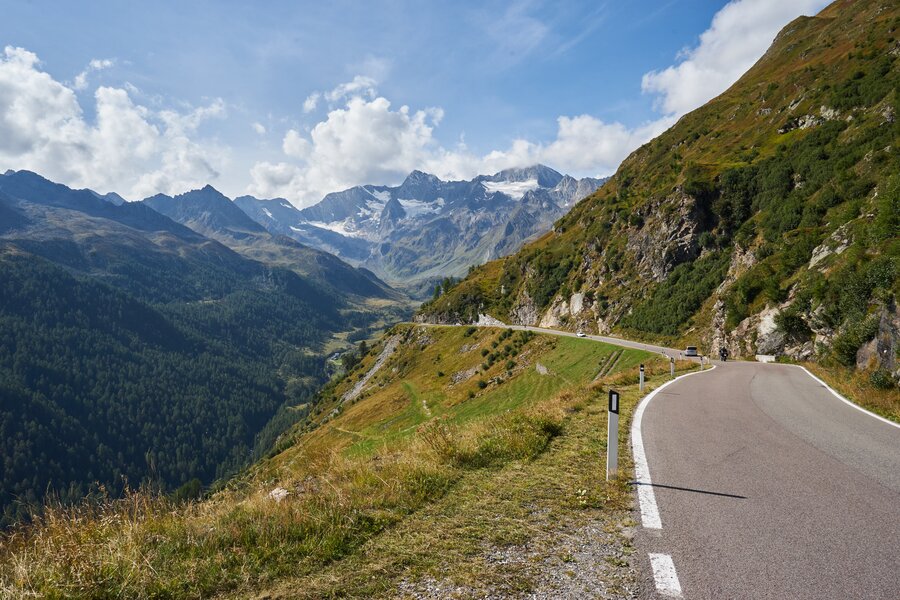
column 345, row 227
column 373, row 208
column 514, row 189
column 426, row 229
column 416, row 208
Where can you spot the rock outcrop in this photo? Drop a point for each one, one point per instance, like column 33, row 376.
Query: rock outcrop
column 667, row 238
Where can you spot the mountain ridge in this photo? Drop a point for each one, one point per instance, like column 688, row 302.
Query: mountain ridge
column 212, row 214
column 426, row 229
column 130, row 337
column 732, row 228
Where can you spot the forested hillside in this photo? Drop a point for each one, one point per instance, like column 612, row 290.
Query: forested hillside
column 134, row 350
column 766, row 220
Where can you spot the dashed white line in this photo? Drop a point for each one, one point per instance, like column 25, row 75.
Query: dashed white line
column 646, row 498
column 665, row 576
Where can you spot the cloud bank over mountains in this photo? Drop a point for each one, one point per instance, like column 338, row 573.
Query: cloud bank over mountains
column 362, row 137
column 127, row 147
column 365, row 141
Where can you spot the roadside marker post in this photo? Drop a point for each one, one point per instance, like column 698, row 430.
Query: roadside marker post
column 672, row 366
column 642, row 377
column 612, row 435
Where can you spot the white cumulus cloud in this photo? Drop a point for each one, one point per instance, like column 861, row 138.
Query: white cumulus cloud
column 311, row 102
column 127, row 148
column 295, row 145
column 362, row 85
column 97, row 64
column 739, row 35
column 583, row 144
column 365, row 141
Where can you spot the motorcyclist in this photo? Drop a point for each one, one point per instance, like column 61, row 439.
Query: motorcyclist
column 723, row 353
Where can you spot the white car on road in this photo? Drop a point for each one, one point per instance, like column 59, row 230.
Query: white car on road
column 581, row 334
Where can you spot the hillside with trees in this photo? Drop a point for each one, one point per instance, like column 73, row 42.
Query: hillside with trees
column 766, row 221
column 135, row 351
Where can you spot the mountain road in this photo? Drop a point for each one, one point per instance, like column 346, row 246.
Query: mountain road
column 758, row 481
column 767, row 485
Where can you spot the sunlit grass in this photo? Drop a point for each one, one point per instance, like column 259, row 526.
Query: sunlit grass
column 857, row 387
column 145, row 546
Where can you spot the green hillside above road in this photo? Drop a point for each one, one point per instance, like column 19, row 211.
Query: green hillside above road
column 767, row 220
column 440, row 447
column 459, row 374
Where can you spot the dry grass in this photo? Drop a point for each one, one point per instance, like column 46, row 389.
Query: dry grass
column 145, row 546
column 506, row 531
column 142, row 546
column 857, row 387
column 655, row 367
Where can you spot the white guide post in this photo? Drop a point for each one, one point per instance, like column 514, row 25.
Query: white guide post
column 612, row 435
column 642, row 378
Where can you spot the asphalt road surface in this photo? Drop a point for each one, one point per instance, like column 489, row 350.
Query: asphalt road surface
column 671, row 352
column 768, row 486
column 763, row 484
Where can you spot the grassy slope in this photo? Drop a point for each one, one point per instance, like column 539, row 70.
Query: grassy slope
column 393, row 404
column 499, row 532
column 360, row 478
column 857, row 387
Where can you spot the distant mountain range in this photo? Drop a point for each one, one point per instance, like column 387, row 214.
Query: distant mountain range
column 170, row 337
column 425, row 229
column 210, row 213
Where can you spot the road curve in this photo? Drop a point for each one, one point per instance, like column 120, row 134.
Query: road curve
column 768, row 486
column 670, row 352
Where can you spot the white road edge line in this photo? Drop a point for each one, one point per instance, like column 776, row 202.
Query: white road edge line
column 665, row 576
column 646, row 498
column 845, row 401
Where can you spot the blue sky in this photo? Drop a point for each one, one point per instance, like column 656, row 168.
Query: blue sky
column 300, row 98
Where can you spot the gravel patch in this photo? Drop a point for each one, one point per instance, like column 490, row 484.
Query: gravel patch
column 587, row 561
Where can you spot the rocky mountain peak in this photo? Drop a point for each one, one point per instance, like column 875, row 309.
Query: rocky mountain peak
column 419, row 177
column 545, row 176
column 428, row 228
column 207, row 210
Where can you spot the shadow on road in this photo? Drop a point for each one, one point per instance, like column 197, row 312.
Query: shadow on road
column 684, row 489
